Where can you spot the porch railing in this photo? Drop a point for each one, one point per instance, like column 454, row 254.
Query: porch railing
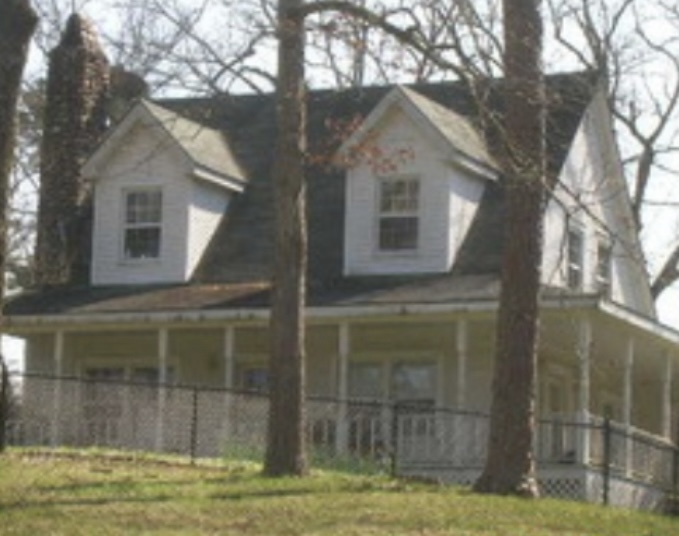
column 51, row 411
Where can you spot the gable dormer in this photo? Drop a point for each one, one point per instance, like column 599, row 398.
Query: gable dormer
column 415, row 176
column 162, row 184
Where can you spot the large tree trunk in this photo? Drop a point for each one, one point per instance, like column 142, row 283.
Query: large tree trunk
column 17, row 23
column 510, row 464
column 286, row 452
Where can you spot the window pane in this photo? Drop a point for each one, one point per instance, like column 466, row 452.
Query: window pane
column 603, row 268
column 145, row 375
column 398, row 233
column 399, row 196
column 105, row 373
column 414, row 382
column 575, row 258
column 143, row 243
column 151, row 375
column 144, row 206
column 365, row 381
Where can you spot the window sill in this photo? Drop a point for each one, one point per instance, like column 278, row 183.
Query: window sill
column 397, row 254
column 139, row 262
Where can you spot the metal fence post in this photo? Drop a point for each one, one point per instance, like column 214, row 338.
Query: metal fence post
column 606, row 470
column 4, row 403
column 675, row 479
column 394, row 438
column 194, row 425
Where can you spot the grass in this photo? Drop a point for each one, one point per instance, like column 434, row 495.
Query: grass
column 109, row 494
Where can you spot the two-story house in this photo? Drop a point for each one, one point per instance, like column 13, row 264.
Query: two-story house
column 406, row 216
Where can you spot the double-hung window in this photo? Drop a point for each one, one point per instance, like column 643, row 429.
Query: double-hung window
column 575, row 258
column 142, row 223
column 602, row 275
column 414, row 383
column 398, row 218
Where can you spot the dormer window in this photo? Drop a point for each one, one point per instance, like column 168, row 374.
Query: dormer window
column 398, row 219
column 143, row 215
column 575, row 258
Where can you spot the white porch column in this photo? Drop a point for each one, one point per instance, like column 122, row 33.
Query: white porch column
column 461, row 349
column 667, row 397
column 162, row 380
column 229, row 380
column 342, row 429
column 627, row 403
column 584, row 353
column 58, row 373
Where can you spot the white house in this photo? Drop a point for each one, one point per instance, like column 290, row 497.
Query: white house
column 405, row 242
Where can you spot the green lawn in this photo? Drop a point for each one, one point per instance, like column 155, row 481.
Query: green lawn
column 100, row 494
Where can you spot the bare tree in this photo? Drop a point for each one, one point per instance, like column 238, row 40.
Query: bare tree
column 510, row 465
column 634, row 45
column 17, row 24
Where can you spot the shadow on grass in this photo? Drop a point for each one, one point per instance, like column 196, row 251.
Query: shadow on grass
column 129, row 496
column 132, row 491
column 263, row 494
column 126, row 484
column 85, row 501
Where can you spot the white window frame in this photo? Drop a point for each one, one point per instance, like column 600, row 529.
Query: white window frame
column 383, row 214
column 575, row 261
column 355, row 368
column 131, row 226
column 428, row 400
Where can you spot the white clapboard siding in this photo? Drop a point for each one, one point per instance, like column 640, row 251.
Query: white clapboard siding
column 207, row 207
column 592, row 194
column 448, row 202
column 146, row 158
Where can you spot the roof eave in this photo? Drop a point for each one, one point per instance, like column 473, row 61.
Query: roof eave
column 94, row 162
column 473, row 166
column 17, row 323
column 228, row 182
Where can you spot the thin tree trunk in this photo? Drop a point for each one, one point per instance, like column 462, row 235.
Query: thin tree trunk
column 17, row 24
column 286, row 451
column 510, row 463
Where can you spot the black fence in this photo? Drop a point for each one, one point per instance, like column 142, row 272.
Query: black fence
column 405, row 438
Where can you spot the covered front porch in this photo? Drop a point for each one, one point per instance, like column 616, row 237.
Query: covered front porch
column 596, row 361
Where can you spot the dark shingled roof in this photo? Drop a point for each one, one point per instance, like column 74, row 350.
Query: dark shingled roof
column 236, row 265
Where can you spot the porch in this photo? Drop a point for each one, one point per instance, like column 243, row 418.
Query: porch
column 591, row 361
column 597, row 460
column 595, row 360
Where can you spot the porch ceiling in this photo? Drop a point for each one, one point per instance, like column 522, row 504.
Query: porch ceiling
column 611, row 337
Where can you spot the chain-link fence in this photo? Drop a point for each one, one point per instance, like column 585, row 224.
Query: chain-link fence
column 595, row 460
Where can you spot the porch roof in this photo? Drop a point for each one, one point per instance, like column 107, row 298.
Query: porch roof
column 350, row 297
